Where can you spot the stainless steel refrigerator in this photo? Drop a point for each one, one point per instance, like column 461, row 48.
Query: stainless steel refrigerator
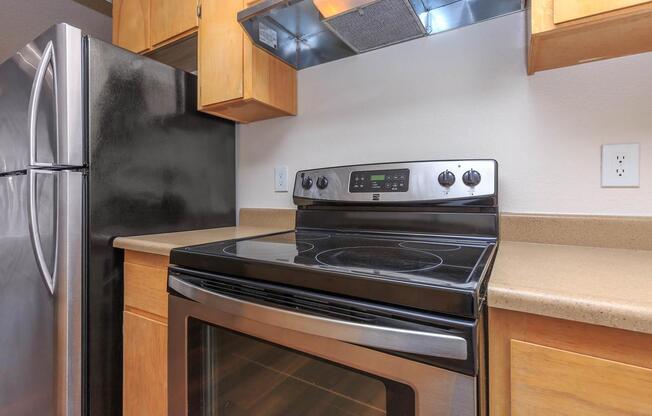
column 95, row 142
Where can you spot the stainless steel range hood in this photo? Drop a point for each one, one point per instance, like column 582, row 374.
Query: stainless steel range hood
column 304, row 33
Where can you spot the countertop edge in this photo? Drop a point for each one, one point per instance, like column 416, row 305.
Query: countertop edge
column 156, row 244
column 126, row 243
column 577, row 309
column 583, row 284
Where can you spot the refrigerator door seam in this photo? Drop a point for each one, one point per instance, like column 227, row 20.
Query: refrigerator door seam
column 13, row 173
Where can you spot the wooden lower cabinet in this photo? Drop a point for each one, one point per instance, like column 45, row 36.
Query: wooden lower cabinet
column 547, row 381
column 546, row 366
column 145, row 366
column 145, row 335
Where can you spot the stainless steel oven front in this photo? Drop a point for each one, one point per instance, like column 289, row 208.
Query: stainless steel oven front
column 247, row 348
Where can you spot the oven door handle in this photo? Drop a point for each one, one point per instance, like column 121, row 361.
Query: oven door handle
column 432, row 344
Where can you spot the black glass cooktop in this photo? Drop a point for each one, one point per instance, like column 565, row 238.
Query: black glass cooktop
column 395, row 269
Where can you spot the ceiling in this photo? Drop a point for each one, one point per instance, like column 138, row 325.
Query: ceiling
column 102, row 6
column 19, row 24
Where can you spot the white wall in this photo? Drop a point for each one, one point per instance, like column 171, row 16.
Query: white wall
column 465, row 94
column 23, row 20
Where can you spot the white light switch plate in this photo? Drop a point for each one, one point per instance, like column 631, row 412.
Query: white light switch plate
column 620, row 165
column 281, row 179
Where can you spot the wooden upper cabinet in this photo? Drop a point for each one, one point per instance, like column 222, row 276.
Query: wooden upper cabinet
column 221, row 46
column 144, row 25
column 570, row 32
column 131, row 24
column 237, row 80
column 567, row 10
column 172, row 19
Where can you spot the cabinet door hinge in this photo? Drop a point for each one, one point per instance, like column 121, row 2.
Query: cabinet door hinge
column 198, row 9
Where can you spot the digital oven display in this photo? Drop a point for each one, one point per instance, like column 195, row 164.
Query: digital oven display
column 396, row 180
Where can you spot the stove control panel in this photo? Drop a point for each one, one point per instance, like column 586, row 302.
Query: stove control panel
column 395, row 180
column 402, row 182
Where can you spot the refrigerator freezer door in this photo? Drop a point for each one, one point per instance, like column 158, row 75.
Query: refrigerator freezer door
column 41, row 111
column 40, row 330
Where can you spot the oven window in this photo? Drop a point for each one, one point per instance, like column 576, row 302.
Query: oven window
column 231, row 374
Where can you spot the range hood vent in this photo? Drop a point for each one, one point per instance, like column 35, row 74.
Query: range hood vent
column 304, row 33
column 359, row 27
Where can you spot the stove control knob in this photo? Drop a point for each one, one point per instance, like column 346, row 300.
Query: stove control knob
column 322, row 182
column 446, row 178
column 471, row 177
column 306, row 183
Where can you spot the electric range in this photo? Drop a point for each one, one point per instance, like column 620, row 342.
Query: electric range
column 391, row 259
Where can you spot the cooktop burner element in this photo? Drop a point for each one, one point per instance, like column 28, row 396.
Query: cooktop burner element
column 391, row 259
column 311, row 236
column 266, row 251
column 388, row 233
column 430, row 246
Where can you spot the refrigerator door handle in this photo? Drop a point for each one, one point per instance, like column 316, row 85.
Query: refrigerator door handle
column 34, row 98
column 48, row 276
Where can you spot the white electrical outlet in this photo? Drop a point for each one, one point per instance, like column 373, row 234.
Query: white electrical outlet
column 620, row 165
column 281, row 179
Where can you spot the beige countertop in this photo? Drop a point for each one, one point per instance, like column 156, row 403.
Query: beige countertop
column 253, row 221
column 163, row 243
column 602, row 286
column 597, row 285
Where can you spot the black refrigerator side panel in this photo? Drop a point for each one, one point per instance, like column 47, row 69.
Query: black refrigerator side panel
column 155, row 165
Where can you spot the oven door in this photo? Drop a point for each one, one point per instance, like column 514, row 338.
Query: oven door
column 231, row 355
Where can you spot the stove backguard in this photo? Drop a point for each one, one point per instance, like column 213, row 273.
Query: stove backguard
column 451, row 197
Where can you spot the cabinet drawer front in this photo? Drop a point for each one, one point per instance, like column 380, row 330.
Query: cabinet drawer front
column 549, row 381
column 146, row 289
column 566, row 10
column 145, row 366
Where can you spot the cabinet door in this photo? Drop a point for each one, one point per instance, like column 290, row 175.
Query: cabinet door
column 145, row 366
column 237, row 80
column 171, row 19
column 269, row 80
column 566, row 10
column 221, row 62
column 131, row 24
column 550, row 381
